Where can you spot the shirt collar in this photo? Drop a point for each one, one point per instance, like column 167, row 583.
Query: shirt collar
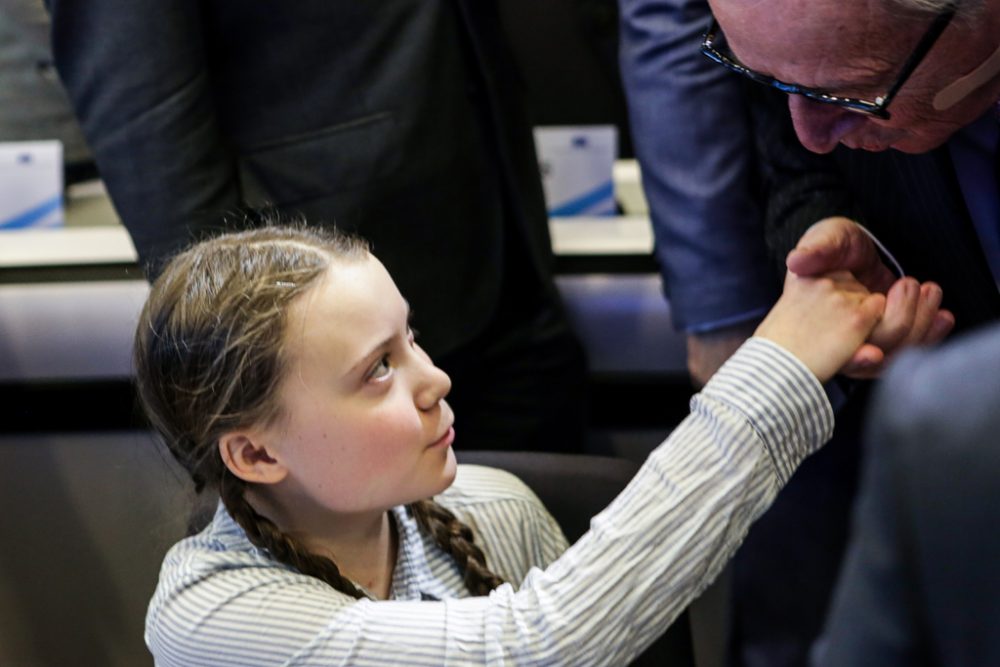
column 409, row 580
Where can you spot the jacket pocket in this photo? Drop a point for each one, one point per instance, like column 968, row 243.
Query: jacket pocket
column 345, row 156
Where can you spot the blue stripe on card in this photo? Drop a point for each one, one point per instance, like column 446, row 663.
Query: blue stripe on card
column 577, row 206
column 32, row 215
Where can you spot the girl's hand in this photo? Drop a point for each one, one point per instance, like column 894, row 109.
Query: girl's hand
column 824, row 321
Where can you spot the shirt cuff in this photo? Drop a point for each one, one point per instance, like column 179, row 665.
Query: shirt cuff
column 781, row 398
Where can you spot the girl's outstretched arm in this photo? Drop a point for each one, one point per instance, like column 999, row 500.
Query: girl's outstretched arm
column 645, row 558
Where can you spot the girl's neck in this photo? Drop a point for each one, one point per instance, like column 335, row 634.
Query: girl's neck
column 367, row 557
column 364, row 546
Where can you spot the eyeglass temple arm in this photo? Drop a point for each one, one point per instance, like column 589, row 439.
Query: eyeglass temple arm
column 919, row 53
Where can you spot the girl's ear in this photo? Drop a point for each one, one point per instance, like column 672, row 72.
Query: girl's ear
column 246, row 457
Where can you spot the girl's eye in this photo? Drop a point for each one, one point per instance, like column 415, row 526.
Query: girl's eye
column 381, row 370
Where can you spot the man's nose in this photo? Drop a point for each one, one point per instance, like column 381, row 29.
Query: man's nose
column 820, row 126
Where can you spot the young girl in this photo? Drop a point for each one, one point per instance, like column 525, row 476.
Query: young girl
column 280, row 369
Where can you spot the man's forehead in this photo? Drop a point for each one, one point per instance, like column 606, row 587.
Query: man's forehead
column 822, row 43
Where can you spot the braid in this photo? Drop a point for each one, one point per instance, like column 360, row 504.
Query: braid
column 456, row 539
column 263, row 533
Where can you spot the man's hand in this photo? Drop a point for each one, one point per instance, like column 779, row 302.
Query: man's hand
column 839, row 244
column 912, row 312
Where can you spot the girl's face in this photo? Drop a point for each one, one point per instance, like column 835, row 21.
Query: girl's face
column 365, row 425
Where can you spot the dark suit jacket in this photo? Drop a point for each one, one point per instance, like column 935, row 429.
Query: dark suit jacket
column 921, row 584
column 400, row 119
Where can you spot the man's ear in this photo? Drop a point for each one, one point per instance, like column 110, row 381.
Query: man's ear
column 246, row 457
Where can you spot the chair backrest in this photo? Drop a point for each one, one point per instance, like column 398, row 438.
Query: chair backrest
column 86, row 520
column 558, row 478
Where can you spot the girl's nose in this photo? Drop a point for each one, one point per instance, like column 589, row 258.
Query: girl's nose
column 820, row 126
column 434, row 383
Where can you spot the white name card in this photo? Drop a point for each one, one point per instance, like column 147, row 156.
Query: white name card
column 31, row 184
column 576, row 164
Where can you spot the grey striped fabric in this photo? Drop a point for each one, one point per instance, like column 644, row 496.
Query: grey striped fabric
column 220, row 601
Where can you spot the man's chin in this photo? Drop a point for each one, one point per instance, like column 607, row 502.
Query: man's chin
column 916, row 144
column 906, row 144
column 873, row 143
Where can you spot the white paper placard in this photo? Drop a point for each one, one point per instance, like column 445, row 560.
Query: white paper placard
column 576, row 164
column 31, row 184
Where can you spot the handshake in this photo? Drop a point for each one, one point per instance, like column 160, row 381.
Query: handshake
column 842, row 309
column 911, row 311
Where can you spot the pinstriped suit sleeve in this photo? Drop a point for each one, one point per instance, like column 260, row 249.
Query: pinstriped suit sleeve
column 601, row 603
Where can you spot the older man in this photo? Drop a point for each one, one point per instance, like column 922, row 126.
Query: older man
column 904, row 93
column 917, row 76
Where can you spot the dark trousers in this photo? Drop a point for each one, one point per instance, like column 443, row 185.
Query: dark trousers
column 521, row 385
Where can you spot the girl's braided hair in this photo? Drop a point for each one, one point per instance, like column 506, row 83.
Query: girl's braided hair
column 209, row 357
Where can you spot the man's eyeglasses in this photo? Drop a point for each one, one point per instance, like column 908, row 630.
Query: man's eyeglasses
column 877, row 107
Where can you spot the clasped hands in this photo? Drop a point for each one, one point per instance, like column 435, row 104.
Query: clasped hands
column 913, row 313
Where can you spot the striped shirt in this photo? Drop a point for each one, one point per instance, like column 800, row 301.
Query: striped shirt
column 221, row 601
